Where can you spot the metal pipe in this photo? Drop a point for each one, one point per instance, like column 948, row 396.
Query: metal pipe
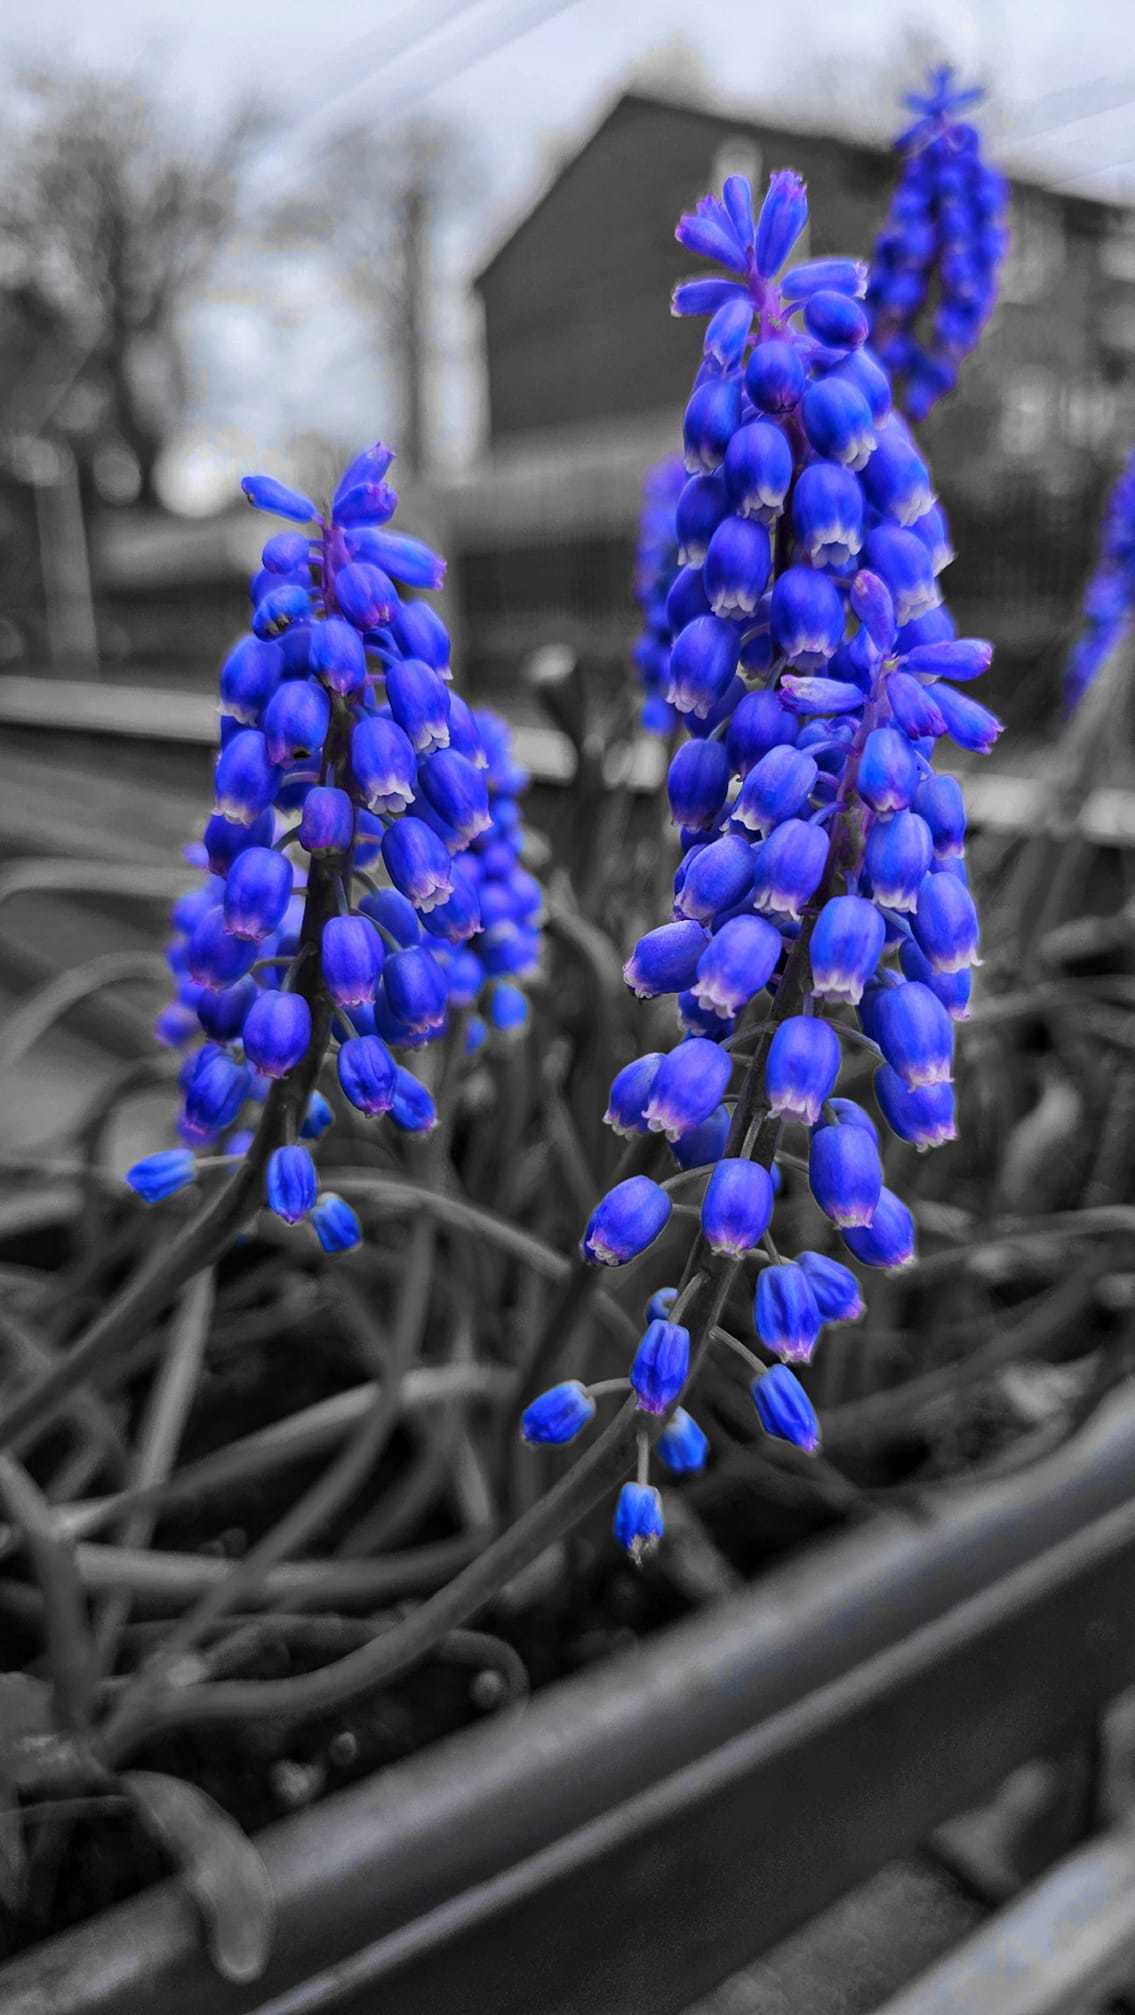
column 645, row 1830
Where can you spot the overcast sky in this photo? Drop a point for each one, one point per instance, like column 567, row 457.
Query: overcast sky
column 526, row 79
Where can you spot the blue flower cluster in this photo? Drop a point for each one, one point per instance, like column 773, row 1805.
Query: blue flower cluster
column 815, row 669
column 933, row 279
column 1109, row 598
column 656, row 564
column 344, row 752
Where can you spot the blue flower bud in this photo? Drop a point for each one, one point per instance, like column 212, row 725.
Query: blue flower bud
column 264, row 493
column 846, row 276
column 718, row 877
column 903, row 563
column 758, row 723
column 459, row 917
column 687, row 1087
column 216, row 958
column 638, row 1522
column 897, row 856
column 776, row 788
column 810, row 695
column 660, row 1303
column 925, row 1117
column 335, row 1224
column 937, row 626
column 703, row 503
column 915, row 1034
column 737, row 1207
column 337, row 655
column 863, row 370
column 940, row 802
column 687, row 597
column 789, row 868
column 785, row 1410
column 845, row 1174
column 835, row 319
column 286, row 553
column 175, row 1025
column 786, row 1312
column 872, row 603
column 246, row 778
column 888, row 773
column 317, row 1118
column 774, row 376
column 913, row 705
column 282, row 606
column 827, row 514
column 383, row 765
column 290, row 1183
column 888, row 1241
column 845, row 948
column 223, row 1014
column 661, row 1366
column 277, row 1031
column 225, row 838
column 682, row 1447
column 351, row 957
column 458, row 793
column 417, row 863
column 361, row 496
column 257, row 893
column 366, row 1073
column 711, row 417
column 625, row 1222
column 157, row 1176
column 419, row 701
column 728, row 332
column 837, row 420
column 327, row 822
column 970, row 725
column 945, row 924
column 476, row 1034
column 702, row 663
column 415, row 987
column 557, row 1415
column 249, row 677
column 931, row 527
column 758, row 471
column 697, row 783
column 394, row 915
column 408, row 560
column 366, row 597
column 802, row 1067
column 783, row 216
column 419, row 632
column 806, row 616
column 413, row 1108
column 630, row 1089
column 215, row 1090
column 834, row 1286
column 737, row 567
column 737, row 963
column 896, row 481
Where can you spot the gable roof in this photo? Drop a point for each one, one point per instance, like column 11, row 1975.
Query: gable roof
column 730, row 119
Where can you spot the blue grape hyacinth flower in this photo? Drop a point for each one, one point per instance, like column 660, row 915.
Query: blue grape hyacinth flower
column 363, row 868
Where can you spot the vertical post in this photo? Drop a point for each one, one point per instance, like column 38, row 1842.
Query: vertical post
column 65, row 566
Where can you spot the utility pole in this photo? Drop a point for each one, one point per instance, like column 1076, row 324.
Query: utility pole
column 413, row 226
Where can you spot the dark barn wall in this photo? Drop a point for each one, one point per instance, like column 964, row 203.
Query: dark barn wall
column 576, row 302
column 581, row 352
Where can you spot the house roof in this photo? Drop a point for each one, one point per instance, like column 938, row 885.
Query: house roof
column 725, row 119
